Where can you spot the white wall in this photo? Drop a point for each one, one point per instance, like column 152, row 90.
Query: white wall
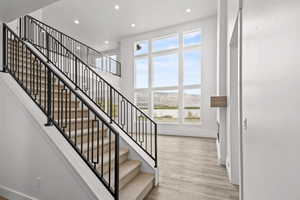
column 271, row 60
column 14, row 25
column 209, row 28
column 35, row 161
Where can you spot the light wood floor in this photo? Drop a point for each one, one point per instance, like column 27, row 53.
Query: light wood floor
column 189, row 171
column 1, row 198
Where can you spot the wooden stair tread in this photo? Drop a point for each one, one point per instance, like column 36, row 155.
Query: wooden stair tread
column 127, row 171
column 123, row 157
column 121, row 152
column 138, row 188
column 127, row 167
column 105, row 142
column 84, row 132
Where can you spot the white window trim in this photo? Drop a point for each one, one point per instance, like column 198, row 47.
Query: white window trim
column 181, row 87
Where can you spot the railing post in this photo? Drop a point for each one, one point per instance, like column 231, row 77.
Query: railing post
column 49, row 97
column 117, row 167
column 111, row 105
column 20, row 27
column 25, row 28
column 4, row 45
column 48, row 46
column 49, row 85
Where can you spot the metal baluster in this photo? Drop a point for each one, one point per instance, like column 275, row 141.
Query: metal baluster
column 81, row 142
column 117, row 150
column 4, row 48
column 102, row 150
column 75, row 120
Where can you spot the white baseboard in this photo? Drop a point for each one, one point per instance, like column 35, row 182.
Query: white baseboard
column 11, row 194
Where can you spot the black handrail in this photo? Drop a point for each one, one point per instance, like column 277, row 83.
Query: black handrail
column 127, row 116
column 79, row 123
column 85, row 52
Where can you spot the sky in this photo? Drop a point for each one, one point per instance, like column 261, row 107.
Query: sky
column 166, row 66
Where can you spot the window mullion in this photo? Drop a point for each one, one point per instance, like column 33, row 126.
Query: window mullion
column 151, row 72
column 180, row 81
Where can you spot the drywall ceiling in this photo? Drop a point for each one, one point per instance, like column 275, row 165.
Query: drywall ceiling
column 100, row 22
column 12, row 9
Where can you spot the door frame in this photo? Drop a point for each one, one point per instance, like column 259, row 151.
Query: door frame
column 236, row 42
column 243, row 122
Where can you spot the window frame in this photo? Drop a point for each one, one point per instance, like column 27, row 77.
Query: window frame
column 180, row 87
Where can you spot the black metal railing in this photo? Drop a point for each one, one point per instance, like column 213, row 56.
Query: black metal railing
column 127, row 116
column 89, row 55
column 80, row 124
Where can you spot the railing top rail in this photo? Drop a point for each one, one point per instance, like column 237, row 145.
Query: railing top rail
column 72, row 38
column 96, row 74
column 64, row 82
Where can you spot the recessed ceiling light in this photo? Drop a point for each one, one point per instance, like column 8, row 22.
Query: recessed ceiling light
column 76, row 21
column 188, row 10
column 106, row 42
column 117, row 7
column 132, row 25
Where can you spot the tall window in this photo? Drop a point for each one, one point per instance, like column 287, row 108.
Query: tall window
column 168, row 77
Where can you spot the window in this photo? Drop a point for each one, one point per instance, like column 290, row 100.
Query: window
column 192, row 60
column 142, row 100
column 99, row 63
column 165, row 66
column 141, row 48
column 192, row 101
column 113, row 63
column 141, row 74
column 166, row 43
column 192, row 38
column 168, row 77
column 166, row 106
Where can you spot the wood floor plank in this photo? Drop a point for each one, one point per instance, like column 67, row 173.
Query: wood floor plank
column 189, row 170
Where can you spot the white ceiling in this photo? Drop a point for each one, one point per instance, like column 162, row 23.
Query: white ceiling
column 99, row 21
column 12, row 9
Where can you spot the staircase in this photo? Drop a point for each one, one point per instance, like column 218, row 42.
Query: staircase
column 91, row 135
column 59, row 51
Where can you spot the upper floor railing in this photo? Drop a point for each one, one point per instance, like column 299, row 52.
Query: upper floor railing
column 88, row 54
column 136, row 124
column 79, row 123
